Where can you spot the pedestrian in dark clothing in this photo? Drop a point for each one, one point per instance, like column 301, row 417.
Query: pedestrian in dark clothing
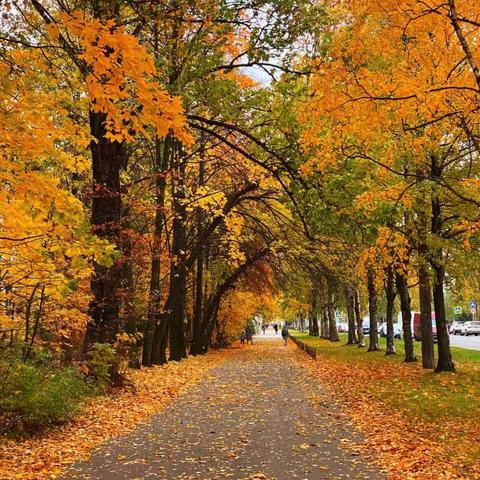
column 242, row 337
column 275, row 327
column 264, row 327
column 249, row 335
column 285, row 334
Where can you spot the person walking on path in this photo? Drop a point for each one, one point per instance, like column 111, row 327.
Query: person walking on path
column 285, row 334
column 264, row 327
column 249, row 335
column 275, row 327
column 242, row 337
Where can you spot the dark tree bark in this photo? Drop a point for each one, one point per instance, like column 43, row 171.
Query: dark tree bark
column 36, row 325
column 107, row 159
column 323, row 295
column 332, row 322
column 404, row 296
column 178, row 268
column 302, row 322
column 445, row 361
column 154, row 300
column 424, row 293
column 372, row 309
column 197, row 342
column 349, row 301
column 314, row 330
column 390, row 294
column 358, row 318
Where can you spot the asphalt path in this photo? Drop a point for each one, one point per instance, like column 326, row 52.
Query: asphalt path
column 252, row 418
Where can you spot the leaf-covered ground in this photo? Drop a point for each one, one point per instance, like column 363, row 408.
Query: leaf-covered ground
column 46, row 455
column 250, row 418
column 418, row 424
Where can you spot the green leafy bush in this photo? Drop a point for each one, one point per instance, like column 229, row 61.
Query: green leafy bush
column 102, row 363
column 33, row 395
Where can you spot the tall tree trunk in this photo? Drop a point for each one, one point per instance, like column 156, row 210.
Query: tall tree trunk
column 323, row 290
column 302, row 322
column 160, row 338
column 107, row 158
column 178, row 269
column 404, row 296
column 445, row 361
column 332, row 321
column 314, row 331
column 358, row 318
column 349, row 301
column 390, row 294
column 154, row 299
column 372, row 309
column 425, row 296
column 196, row 346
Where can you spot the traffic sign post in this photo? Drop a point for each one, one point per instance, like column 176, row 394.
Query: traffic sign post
column 473, row 308
column 457, row 310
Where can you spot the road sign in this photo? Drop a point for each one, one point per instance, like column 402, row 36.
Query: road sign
column 457, row 310
column 473, row 304
column 338, row 315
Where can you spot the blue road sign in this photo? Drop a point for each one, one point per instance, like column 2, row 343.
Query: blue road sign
column 473, row 304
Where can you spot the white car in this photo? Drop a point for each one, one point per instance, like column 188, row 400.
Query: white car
column 471, row 328
column 456, row 327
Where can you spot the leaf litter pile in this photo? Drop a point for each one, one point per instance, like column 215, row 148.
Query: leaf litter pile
column 46, row 455
column 408, row 427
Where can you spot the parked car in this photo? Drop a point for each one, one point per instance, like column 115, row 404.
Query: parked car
column 366, row 326
column 471, row 328
column 417, row 333
column 382, row 330
column 456, row 328
column 397, row 330
column 342, row 327
column 463, row 328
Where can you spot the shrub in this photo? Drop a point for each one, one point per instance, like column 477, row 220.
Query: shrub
column 33, row 395
column 102, row 363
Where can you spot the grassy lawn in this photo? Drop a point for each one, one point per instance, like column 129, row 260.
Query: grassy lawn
column 416, row 420
column 459, row 354
column 408, row 387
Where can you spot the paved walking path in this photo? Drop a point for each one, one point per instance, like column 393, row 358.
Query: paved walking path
column 249, row 419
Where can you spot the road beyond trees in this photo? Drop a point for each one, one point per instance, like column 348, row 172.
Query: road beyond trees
column 251, row 418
